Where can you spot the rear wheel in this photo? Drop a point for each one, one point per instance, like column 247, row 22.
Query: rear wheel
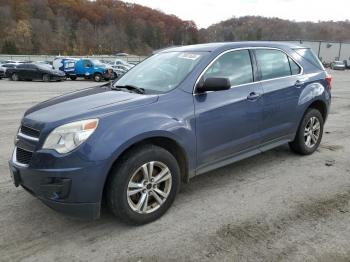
column 46, row 78
column 14, row 77
column 143, row 185
column 309, row 134
column 73, row 78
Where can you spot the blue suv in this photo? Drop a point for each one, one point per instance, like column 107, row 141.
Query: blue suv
column 182, row 112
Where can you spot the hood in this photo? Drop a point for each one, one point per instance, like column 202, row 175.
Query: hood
column 85, row 103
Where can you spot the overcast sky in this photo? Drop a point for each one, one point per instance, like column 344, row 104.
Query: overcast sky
column 207, row 12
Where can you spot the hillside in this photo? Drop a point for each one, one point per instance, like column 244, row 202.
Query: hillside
column 83, row 27
column 262, row 28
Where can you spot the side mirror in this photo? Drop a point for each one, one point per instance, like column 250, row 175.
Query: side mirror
column 213, row 84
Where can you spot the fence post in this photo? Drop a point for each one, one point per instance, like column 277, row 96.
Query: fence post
column 319, row 49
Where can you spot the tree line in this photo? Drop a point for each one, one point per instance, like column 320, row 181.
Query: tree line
column 88, row 27
column 82, row 27
column 262, row 28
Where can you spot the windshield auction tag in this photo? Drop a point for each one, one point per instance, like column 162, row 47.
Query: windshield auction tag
column 189, row 56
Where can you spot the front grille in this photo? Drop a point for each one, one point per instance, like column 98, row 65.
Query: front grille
column 23, row 156
column 30, row 131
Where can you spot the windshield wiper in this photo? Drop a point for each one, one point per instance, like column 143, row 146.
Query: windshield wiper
column 133, row 88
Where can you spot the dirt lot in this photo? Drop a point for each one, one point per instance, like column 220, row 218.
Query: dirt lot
column 276, row 206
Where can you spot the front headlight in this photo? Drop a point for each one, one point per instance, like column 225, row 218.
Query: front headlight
column 67, row 137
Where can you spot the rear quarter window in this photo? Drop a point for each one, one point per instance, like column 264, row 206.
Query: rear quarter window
column 309, row 56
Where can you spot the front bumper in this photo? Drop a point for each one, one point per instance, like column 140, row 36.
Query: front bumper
column 58, row 78
column 75, row 192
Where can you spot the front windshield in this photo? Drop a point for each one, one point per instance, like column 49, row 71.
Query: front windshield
column 161, row 72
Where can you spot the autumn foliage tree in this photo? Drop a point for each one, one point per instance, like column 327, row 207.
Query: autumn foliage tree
column 263, row 28
column 88, row 27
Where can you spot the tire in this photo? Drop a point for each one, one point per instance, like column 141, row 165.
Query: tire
column 129, row 168
column 307, row 144
column 73, row 78
column 46, row 78
column 97, row 77
column 14, row 77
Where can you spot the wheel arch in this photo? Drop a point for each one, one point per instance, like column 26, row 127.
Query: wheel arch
column 320, row 106
column 165, row 142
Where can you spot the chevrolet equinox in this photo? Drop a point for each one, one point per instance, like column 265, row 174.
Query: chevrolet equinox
column 180, row 113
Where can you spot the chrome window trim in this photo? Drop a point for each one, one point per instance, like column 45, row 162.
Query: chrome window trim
column 246, row 48
column 20, row 134
column 14, row 159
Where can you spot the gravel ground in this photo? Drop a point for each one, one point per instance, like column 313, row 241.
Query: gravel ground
column 276, row 206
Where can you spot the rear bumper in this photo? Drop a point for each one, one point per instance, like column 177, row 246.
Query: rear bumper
column 74, row 192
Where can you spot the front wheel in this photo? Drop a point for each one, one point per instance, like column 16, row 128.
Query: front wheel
column 309, row 133
column 98, row 77
column 46, row 78
column 143, row 184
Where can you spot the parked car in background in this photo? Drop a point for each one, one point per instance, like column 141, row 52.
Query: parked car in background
column 118, row 62
column 16, row 62
column 347, row 64
column 87, row 68
column 121, row 54
column 48, row 63
column 180, row 113
column 33, row 71
column 7, row 66
column 338, row 65
column 120, row 66
column 2, row 72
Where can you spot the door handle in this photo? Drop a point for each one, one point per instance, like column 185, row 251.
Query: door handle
column 299, row 83
column 253, row 96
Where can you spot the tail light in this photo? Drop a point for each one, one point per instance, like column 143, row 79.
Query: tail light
column 328, row 79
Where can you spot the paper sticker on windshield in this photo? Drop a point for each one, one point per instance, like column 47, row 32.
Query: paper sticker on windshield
column 189, row 56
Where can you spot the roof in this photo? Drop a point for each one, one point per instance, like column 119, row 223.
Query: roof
column 210, row 47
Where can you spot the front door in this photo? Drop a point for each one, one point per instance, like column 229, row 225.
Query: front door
column 228, row 122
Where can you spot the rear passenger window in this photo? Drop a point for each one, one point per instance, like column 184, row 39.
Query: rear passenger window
column 295, row 69
column 272, row 63
column 235, row 65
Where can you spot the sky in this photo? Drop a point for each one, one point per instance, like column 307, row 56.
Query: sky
column 207, row 12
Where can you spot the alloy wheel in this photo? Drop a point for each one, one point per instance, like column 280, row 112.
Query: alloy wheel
column 312, row 132
column 149, row 187
column 14, row 77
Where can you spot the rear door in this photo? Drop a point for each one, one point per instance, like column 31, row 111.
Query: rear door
column 282, row 81
column 33, row 72
column 228, row 122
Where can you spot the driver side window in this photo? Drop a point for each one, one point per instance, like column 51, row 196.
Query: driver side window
column 87, row 63
column 235, row 65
